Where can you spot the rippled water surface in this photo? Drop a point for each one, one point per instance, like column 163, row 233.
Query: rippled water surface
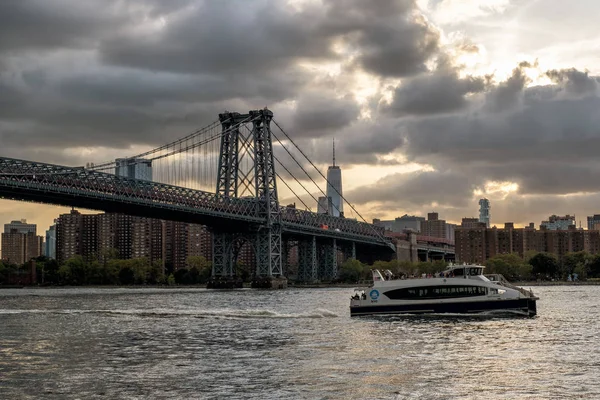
column 248, row 344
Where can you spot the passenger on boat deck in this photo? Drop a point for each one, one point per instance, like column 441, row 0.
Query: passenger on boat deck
column 364, row 296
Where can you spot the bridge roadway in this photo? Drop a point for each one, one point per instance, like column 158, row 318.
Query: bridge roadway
column 79, row 187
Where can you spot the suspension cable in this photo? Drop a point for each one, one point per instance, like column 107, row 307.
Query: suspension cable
column 292, row 190
column 163, row 147
column 307, row 174
column 181, row 149
column 296, row 179
column 320, row 173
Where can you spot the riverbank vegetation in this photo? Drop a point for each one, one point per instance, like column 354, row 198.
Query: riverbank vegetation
column 112, row 271
column 580, row 266
column 532, row 267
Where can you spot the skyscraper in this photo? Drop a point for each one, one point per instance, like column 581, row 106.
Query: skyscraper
column 484, row 212
column 324, row 206
column 334, row 187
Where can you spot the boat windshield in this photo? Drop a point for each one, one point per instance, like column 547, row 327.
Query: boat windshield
column 466, row 270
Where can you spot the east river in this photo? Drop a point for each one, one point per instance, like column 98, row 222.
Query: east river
column 288, row 344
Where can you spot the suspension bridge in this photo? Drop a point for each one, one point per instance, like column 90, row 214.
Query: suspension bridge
column 224, row 176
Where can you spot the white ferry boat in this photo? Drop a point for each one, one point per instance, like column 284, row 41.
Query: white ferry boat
column 458, row 289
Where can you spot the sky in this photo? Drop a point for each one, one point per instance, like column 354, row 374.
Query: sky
column 433, row 103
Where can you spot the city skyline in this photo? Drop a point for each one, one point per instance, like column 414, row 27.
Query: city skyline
column 435, row 104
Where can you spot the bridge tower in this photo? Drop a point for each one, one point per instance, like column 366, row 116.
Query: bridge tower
column 246, row 171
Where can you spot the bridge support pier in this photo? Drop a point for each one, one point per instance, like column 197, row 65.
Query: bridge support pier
column 307, row 260
column 224, row 254
column 269, row 251
column 349, row 251
column 328, row 261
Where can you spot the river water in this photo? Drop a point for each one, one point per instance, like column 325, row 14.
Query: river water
column 288, row 344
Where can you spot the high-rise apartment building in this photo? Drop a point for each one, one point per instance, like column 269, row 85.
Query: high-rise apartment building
column 51, row 242
column 134, row 168
column 68, row 228
column 388, row 225
column 450, row 229
column 472, row 223
column 434, row 227
column 470, row 244
column 20, row 227
column 484, row 212
column 477, row 244
column 20, row 242
column 556, row 222
column 13, row 247
column 175, row 245
column 593, row 222
column 141, row 237
column 200, row 241
column 406, row 221
column 400, row 224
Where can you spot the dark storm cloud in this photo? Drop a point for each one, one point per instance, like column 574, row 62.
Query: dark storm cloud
column 542, row 178
column 441, row 92
column 55, row 24
column 138, row 72
column 508, row 94
column 392, row 39
column 317, row 114
column 381, row 136
column 543, row 130
column 389, row 37
column 543, row 138
column 222, row 37
column 43, row 24
column 574, row 81
column 416, row 189
column 142, row 88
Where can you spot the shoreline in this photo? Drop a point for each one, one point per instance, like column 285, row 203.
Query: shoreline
column 556, row 283
column 290, row 286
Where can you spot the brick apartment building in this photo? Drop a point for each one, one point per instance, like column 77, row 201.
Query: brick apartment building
column 96, row 236
column 20, row 242
column 476, row 244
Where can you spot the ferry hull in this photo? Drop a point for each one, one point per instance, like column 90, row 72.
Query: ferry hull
column 525, row 307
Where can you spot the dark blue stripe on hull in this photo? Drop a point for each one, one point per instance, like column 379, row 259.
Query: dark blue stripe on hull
column 523, row 305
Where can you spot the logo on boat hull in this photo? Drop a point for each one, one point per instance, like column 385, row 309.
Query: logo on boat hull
column 374, row 294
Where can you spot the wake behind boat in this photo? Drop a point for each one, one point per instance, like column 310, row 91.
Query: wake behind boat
column 458, row 289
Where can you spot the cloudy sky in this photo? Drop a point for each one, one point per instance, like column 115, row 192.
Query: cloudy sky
column 433, row 103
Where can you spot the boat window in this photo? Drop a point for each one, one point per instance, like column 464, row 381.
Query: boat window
column 474, row 271
column 436, row 292
column 458, row 272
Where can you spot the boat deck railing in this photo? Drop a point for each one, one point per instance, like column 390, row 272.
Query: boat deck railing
column 502, row 281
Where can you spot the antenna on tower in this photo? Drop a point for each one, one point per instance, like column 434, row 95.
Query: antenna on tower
column 334, row 152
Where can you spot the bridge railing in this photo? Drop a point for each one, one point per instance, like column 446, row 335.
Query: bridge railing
column 327, row 222
column 56, row 179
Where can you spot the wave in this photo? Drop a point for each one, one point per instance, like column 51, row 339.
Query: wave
column 193, row 313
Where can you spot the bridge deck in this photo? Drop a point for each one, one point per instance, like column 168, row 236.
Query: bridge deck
column 79, row 187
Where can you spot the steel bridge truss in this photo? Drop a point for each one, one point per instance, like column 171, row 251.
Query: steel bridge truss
column 257, row 184
column 245, row 206
column 55, row 184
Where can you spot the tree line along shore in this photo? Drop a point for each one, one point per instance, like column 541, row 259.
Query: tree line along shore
column 531, row 269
